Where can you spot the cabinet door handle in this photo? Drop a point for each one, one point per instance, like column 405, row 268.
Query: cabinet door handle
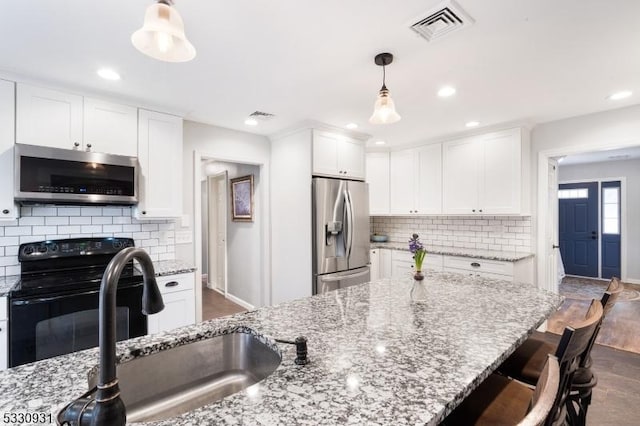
column 5, row 211
column 480, row 210
column 474, row 210
column 76, row 144
column 475, row 264
column 171, row 284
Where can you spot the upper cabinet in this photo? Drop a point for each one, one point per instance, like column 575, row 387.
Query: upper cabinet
column 487, row 174
column 416, row 181
column 8, row 209
column 48, row 117
column 110, row 127
column 57, row 119
column 337, row 156
column 160, row 157
column 378, row 179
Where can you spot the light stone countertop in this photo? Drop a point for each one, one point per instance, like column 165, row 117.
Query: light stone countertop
column 507, row 256
column 7, row 283
column 376, row 357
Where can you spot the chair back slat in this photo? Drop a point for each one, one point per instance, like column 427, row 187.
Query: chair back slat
column 544, row 394
column 572, row 346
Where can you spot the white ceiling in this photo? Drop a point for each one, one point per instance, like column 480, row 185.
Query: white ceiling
column 523, row 60
column 632, row 153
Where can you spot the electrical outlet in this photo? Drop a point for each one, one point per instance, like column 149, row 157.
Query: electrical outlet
column 183, row 237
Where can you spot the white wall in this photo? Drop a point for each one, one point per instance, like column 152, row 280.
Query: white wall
column 232, row 146
column 592, row 132
column 630, row 170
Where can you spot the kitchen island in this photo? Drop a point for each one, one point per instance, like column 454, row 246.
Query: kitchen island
column 376, row 357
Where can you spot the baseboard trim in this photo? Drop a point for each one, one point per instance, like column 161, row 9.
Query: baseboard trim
column 631, row 281
column 240, row 302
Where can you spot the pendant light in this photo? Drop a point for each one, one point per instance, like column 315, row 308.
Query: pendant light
column 384, row 110
column 162, row 35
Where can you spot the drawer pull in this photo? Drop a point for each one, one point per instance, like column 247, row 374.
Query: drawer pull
column 475, row 264
column 171, row 284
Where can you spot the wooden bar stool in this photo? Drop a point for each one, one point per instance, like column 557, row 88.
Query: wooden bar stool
column 502, row 401
column 499, row 400
column 527, row 361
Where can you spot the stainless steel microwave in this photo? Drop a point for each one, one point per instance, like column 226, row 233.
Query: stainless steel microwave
column 62, row 176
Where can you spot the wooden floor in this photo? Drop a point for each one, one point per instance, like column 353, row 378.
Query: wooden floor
column 621, row 327
column 214, row 305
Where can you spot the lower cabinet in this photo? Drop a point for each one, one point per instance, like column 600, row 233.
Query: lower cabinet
column 517, row 271
column 380, row 263
column 4, row 334
column 178, row 294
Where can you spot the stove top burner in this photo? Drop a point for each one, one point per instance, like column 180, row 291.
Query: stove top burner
column 69, row 266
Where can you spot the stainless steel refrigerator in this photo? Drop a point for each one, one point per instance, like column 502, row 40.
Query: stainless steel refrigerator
column 340, row 234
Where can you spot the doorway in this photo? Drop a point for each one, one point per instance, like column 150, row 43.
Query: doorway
column 578, row 228
column 215, row 241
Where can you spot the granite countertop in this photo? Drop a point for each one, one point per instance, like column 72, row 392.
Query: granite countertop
column 172, row 267
column 507, row 256
column 376, row 357
column 7, row 283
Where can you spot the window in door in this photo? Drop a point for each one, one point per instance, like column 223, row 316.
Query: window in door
column 611, row 229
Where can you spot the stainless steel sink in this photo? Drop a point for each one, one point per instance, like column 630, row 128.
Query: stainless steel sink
column 181, row 379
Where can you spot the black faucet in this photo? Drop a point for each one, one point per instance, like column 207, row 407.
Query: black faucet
column 104, row 406
column 301, row 349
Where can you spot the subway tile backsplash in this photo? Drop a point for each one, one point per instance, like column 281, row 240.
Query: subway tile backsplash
column 48, row 223
column 503, row 233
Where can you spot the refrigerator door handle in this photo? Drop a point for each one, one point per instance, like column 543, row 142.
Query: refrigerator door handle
column 349, row 208
column 343, row 277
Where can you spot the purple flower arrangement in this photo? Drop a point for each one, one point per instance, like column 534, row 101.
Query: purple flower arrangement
column 416, row 247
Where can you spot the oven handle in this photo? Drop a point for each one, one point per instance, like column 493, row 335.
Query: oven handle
column 35, row 301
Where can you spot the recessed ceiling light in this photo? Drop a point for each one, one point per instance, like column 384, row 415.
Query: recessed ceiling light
column 351, row 126
column 620, row 95
column 380, row 142
column 472, row 124
column 446, row 91
column 108, row 74
column 251, row 122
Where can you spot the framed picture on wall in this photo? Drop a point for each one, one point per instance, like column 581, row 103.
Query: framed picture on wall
column 242, row 199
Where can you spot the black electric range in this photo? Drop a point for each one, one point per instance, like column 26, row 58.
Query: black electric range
column 54, row 307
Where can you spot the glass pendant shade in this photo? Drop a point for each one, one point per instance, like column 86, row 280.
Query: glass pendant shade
column 384, row 110
column 162, row 35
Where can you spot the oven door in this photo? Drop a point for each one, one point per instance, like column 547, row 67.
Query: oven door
column 41, row 328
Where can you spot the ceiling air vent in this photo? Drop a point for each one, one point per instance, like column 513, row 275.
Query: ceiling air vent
column 261, row 116
column 442, row 20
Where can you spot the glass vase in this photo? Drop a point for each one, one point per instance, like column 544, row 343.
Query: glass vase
column 419, row 289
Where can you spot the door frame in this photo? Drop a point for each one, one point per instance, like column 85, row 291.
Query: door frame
column 265, row 197
column 542, row 200
column 623, row 219
column 213, row 179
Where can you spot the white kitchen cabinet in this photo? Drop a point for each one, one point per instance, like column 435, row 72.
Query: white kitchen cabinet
column 374, row 264
column 337, row 155
column 8, row 209
column 516, row 271
column 401, row 264
column 487, row 174
column 48, row 117
column 160, row 158
column 4, row 334
column 377, row 166
column 416, row 181
column 110, row 127
column 385, row 263
column 178, row 295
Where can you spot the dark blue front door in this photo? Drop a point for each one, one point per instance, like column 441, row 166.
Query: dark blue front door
column 578, row 226
column 611, row 229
